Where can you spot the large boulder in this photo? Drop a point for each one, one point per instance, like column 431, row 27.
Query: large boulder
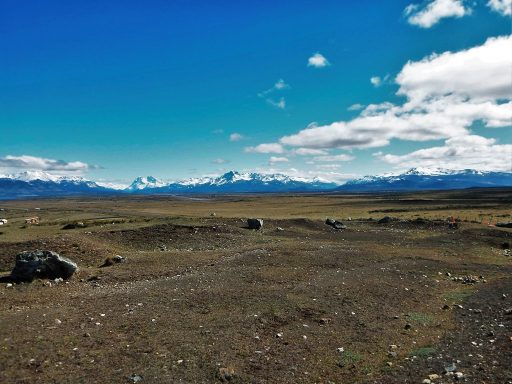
column 255, row 223
column 43, row 265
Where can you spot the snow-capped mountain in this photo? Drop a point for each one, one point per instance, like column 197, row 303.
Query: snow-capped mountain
column 429, row 179
column 232, row 182
column 39, row 184
column 148, row 182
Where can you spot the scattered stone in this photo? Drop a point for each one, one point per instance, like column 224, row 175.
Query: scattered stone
column 8, row 285
column 407, row 326
column 505, row 245
column 450, row 368
column 135, row 378
column 255, row 223
column 392, row 354
column 433, row 376
column 43, row 265
column 469, row 279
column 426, row 381
column 279, row 229
column 58, row 322
column 226, row 373
column 279, row 335
column 324, row 320
column 446, row 306
column 213, row 214
column 459, row 375
column 117, row 259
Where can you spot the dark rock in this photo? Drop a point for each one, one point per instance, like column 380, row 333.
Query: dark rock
column 407, row 326
column 386, row 220
column 504, row 225
column 43, row 265
column 255, row 223
column 74, row 225
column 335, row 224
column 505, row 245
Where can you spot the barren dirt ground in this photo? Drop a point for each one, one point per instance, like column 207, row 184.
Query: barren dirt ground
column 203, row 299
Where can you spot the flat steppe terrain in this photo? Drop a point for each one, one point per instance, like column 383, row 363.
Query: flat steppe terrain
column 203, row 299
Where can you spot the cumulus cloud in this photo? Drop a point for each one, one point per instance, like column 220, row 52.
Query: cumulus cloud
column 465, row 152
column 220, row 161
column 236, row 137
column 318, row 61
column 33, row 163
column 342, row 157
column 501, row 6
column 481, row 73
column 275, row 159
column 445, row 95
column 433, row 11
column 266, row 148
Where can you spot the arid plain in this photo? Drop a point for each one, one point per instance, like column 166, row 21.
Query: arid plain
column 203, row 299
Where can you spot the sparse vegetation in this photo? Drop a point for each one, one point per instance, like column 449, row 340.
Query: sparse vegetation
column 197, row 293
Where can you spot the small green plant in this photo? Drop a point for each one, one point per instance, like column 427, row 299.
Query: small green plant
column 424, row 352
column 421, row 318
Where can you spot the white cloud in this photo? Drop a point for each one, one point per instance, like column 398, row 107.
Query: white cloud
column 501, row 6
column 342, row 157
column 376, row 81
column 32, row 163
column 435, row 10
column 355, row 107
column 318, row 61
column 275, row 159
column 279, row 85
column 236, row 137
column 446, row 94
column 309, row 151
column 266, row 148
column 220, row 161
column 465, row 152
column 281, row 103
column 480, row 73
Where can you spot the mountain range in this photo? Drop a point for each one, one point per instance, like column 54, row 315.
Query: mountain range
column 42, row 184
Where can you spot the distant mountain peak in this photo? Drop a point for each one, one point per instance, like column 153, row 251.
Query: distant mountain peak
column 147, row 182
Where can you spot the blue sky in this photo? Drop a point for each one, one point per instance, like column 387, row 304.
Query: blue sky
column 128, row 88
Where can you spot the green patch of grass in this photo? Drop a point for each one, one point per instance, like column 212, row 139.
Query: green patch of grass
column 351, row 357
column 424, row 352
column 456, row 296
column 421, row 318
